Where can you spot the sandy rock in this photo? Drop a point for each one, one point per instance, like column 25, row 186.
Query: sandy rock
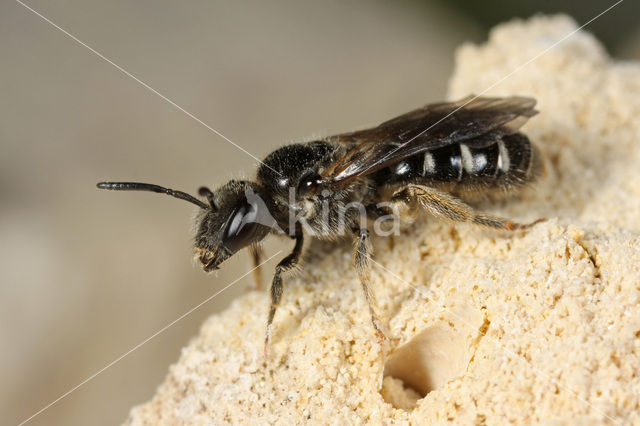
column 483, row 326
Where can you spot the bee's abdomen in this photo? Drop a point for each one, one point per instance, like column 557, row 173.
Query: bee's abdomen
column 505, row 163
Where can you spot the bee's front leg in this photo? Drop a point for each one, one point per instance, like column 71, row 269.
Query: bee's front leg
column 361, row 255
column 256, row 255
column 285, row 265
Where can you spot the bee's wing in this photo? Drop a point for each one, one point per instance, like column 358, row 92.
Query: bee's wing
column 429, row 127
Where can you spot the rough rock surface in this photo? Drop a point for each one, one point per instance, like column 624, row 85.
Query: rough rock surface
column 483, row 326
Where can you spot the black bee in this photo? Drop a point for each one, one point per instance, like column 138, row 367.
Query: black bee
column 432, row 157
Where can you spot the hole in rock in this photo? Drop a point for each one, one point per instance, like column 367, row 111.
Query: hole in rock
column 433, row 357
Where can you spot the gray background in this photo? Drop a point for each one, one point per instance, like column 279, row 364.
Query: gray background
column 85, row 275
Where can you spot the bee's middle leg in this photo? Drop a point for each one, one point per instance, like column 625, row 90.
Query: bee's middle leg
column 446, row 206
column 361, row 255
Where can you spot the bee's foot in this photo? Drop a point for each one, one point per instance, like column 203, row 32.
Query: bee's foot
column 267, row 341
column 535, row 222
column 512, row 226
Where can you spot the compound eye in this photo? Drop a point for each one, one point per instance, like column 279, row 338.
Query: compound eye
column 309, row 183
column 241, row 228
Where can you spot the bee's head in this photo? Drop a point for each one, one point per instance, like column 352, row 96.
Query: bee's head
column 235, row 217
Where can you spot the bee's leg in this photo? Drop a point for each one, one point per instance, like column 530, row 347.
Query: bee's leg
column 285, row 265
column 361, row 254
column 256, row 254
column 446, row 206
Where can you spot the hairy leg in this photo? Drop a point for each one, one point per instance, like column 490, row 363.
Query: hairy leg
column 446, row 206
column 361, row 254
column 285, row 265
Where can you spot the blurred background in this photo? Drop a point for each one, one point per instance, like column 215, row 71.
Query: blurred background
column 86, row 275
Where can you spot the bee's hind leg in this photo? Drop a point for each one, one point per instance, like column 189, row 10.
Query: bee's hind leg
column 446, row 206
column 361, row 255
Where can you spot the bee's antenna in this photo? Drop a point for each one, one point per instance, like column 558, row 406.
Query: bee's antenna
column 206, row 192
column 136, row 186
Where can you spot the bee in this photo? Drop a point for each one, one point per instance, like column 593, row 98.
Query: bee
column 434, row 158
